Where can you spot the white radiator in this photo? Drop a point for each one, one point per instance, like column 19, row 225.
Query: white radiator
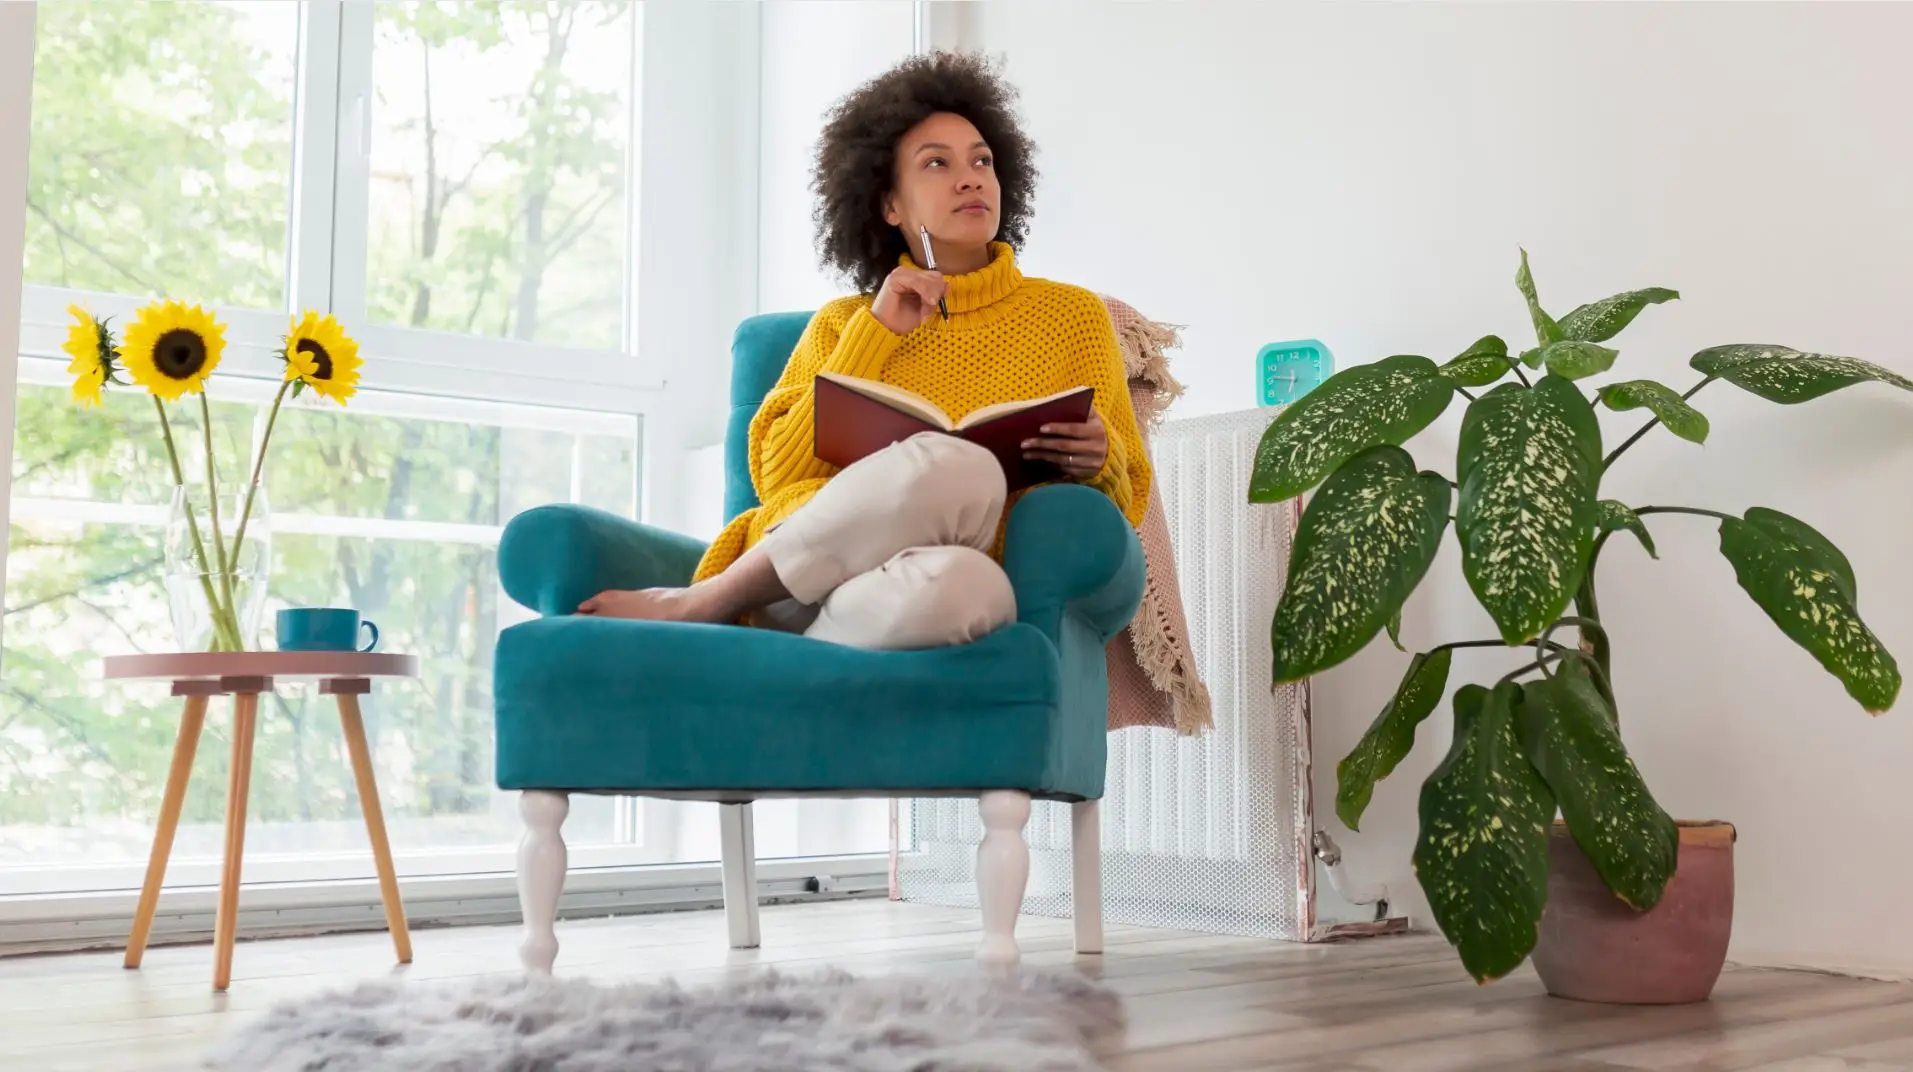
column 1206, row 833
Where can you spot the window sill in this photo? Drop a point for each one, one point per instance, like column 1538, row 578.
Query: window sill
column 71, row 922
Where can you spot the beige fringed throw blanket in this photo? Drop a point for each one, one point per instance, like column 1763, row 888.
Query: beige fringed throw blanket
column 1152, row 672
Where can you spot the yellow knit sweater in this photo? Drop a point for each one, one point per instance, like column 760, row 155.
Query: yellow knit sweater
column 1008, row 338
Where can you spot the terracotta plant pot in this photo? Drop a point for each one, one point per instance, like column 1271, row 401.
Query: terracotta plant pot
column 1594, row 948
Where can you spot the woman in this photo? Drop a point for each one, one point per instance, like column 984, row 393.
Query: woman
column 897, row 551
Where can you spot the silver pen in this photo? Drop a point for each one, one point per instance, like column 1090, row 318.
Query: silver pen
column 930, row 262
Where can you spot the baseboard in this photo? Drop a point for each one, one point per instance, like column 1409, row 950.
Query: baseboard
column 1378, row 928
column 1754, row 960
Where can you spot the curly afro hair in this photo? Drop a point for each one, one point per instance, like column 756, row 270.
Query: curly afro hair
column 855, row 167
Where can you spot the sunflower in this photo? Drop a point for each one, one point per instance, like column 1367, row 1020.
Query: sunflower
column 94, row 366
column 172, row 348
column 320, row 355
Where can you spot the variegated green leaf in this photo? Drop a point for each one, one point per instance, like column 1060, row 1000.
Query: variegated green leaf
column 1785, row 375
column 1481, row 364
column 1570, row 735
column 1796, row 531
column 1807, row 587
column 1365, row 541
column 1614, row 517
column 1357, row 408
column 1391, row 736
column 1661, row 400
column 1482, row 853
column 1531, row 358
column 1530, row 465
column 1602, row 320
column 1545, row 329
column 1395, row 629
column 1571, row 359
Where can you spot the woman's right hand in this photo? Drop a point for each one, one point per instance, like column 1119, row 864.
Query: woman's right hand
column 907, row 298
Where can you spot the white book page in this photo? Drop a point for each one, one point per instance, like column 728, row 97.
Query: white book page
column 907, row 401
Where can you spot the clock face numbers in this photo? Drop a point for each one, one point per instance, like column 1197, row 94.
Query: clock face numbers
column 1285, row 371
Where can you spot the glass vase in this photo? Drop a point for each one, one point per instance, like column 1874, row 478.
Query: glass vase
column 217, row 569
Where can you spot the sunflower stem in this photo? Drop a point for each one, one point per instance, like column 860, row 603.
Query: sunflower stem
column 258, row 467
column 192, row 525
column 224, row 607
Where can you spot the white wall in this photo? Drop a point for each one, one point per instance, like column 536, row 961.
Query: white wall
column 814, row 53
column 1363, row 174
column 734, row 96
column 16, row 103
column 697, row 245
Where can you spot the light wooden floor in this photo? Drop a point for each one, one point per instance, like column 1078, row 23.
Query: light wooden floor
column 1195, row 1001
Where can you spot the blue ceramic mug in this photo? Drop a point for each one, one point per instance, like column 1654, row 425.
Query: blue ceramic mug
column 324, row 629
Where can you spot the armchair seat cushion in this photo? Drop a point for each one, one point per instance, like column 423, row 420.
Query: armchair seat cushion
column 714, row 712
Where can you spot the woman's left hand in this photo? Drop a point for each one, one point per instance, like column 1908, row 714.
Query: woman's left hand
column 1081, row 449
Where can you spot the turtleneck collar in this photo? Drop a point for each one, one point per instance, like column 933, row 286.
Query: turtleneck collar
column 973, row 291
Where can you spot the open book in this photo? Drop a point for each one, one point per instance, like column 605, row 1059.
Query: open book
column 857, row 417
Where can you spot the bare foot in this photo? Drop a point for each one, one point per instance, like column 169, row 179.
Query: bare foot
column 657, row 605
column 749, row 584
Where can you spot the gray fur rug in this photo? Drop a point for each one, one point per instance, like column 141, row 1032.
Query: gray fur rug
column 766, row 1023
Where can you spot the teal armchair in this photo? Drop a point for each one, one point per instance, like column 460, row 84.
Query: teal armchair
column 732, row 715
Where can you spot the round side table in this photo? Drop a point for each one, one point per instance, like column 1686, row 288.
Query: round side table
column 245, row 676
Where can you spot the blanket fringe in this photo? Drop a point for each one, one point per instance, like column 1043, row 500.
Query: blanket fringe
column 1147, row 340
column 1163, row 656
column 1159, row 653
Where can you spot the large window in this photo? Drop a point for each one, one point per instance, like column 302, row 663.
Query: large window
column 427, row 170
column 456, row 180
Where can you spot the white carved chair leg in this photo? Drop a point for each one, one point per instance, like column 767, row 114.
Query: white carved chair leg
column 738, row 848
column 541, row 875
column 1086, row 873
column 1002, row 873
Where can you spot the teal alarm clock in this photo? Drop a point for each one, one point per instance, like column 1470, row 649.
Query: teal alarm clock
column 1288, row 370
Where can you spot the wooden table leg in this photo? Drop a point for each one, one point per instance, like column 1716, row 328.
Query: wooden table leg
column 355, row 746
column 226, row 925
column 184, row 748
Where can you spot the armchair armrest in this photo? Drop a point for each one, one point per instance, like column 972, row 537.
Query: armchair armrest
column 1069, row 549
column 553, row 558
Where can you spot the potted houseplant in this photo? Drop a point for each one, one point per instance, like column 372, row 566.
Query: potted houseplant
column 1616, row 901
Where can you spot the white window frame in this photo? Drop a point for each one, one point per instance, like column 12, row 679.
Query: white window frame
column 17, row 36
column 428, row 374
column 666, row 395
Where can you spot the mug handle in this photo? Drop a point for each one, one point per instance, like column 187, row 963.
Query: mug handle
column 374, row 642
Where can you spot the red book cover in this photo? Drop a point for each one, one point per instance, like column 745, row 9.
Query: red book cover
column 856, row 418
